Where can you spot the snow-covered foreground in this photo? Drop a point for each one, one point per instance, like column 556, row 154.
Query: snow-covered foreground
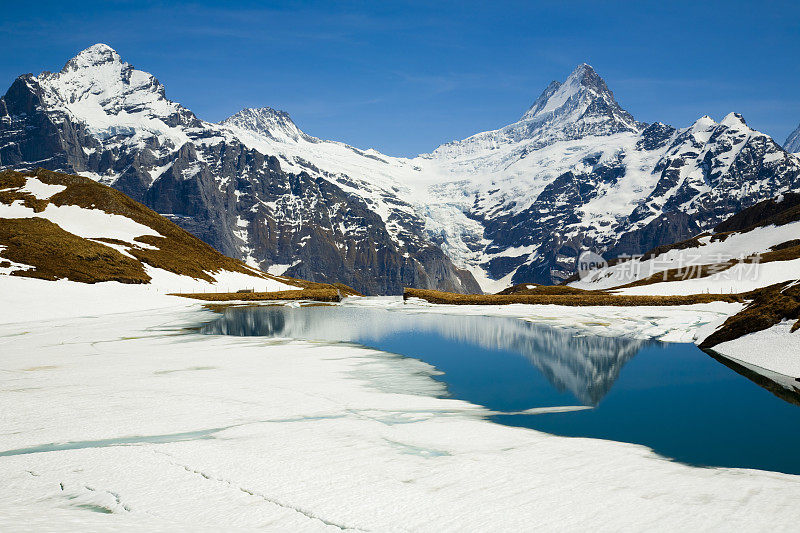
column 124, row 411
column 776, row 349
column 30, row 299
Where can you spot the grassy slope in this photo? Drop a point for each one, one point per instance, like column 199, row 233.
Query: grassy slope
column 768, row 306
column 766, row 213
column 55, row 253
column 58, row 254
column 554, row 295
column 319, row 295
column 176, row 250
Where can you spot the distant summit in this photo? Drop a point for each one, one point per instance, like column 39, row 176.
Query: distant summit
column 272, row 123
column 584, row 96
column 513, row 205
column 792, row 143
column 95, row 55
column 579, row 107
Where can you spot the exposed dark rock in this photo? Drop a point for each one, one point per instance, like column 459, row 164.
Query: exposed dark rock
column 236, row 199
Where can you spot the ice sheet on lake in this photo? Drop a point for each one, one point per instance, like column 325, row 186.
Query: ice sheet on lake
column 312, row 443
column 585, row 365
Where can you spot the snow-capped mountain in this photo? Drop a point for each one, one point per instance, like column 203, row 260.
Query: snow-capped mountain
column 581, row 106
column 577, row 172
column 792, row 143
column 512, row 205
column 104, row 119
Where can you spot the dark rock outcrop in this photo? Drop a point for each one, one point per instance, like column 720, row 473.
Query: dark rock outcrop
column 101, row 118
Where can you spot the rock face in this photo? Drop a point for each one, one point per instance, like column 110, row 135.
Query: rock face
column 102, row 118
column 60, row 226
column 577, row 173
column 513, row 205
column 792, row 143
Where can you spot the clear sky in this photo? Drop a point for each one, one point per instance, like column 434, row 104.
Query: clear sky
column 404, row 77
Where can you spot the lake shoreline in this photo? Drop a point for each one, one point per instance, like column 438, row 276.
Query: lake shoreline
column 291, row 418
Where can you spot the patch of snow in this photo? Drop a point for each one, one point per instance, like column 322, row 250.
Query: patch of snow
column 86, row 223
column 739, row 278
column 775, row 348
column 278, row 269
column 41, row 190
column 742, row 277
column 221, row 432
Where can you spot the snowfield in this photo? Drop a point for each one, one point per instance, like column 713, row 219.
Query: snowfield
column 775, row 349
column 115, row 417
column 741, row 277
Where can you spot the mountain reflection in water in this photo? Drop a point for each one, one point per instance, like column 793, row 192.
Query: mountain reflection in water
column 671, row 397
column 584, row 365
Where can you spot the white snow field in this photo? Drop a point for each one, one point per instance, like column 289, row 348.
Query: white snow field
column 775, row 349
column 741, row 277
column 117, row 418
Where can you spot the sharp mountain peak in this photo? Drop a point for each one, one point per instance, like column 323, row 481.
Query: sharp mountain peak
column 95, row 55
column 583, row 93
column 792, row 143
column 265, row 121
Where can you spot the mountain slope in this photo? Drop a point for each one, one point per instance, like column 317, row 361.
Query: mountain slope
column 546, row 190
column 57, row 226
column 755, row 248
column 513, row 205
column 792, row 143
column 755, row 252
column 576, row 172
column 104, row 119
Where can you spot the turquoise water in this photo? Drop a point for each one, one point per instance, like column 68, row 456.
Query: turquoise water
column 674, row 398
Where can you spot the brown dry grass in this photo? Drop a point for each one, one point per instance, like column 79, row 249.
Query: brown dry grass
column 55, row 254
column 768, row 307
column 522, row 288
column 782, row 252
column 177, row 250
column 318, row 295
column 582, row 298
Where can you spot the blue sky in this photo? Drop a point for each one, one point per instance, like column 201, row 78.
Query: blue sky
column 404, row 77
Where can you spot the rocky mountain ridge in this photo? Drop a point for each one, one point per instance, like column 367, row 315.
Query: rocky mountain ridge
column 792, row 143
column 513, row 205
column 104, row 119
